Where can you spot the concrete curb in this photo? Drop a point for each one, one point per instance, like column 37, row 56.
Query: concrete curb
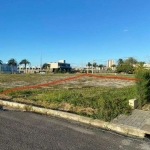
column 123, row 129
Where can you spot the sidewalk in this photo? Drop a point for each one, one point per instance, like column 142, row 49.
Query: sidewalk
column 139, row 119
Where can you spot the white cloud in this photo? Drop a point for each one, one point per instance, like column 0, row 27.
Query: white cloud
column 125, row 30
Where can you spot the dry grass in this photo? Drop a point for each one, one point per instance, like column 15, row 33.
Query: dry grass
column 19, row 80
column 85, row 95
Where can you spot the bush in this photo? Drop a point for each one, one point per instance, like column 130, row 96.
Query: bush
column 143, row 87
column 104, row 103
column 112, row 104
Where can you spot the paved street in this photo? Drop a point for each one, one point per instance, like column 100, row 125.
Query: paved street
column 29, row 131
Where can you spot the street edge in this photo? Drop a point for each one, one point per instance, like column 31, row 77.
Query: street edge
column 122, row 129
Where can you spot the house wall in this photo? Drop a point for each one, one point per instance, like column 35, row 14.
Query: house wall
column 147, row 66
column 54, row 65
column 110, row 63
column 59, row 65
column 5, row 68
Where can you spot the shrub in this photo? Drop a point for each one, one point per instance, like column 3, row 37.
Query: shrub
column 143, row 87
column 106, row 102
column 111, row 106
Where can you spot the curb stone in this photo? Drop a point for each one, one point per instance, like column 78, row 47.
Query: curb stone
column 123, row 129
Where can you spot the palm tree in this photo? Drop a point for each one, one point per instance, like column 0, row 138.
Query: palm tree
column 113, row 66
column 89, row 64
column 101, row 66
column 25, row 62
column 94, row 64
column 1, row 62
column 120, row 61
column 46, row 66
column 12, row 62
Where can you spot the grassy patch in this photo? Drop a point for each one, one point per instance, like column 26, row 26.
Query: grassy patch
column 143, row 87
column 104, row 103
column 86, row 96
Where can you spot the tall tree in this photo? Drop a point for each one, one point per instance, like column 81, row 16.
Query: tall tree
column 94, row 64
column 126, row 68
column 113, row 66
column 45, row 66
column 120, row 61
column 25, row 62
column 101, row 66
column 89, row 64
column 139, row 66
column 131, row 61
column 12, row 62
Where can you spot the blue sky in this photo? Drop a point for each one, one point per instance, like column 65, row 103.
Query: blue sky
column 75, row 30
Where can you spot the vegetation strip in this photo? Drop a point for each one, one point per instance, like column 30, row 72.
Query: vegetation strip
column 66, row 79
column 114, row 77
column 123, row 129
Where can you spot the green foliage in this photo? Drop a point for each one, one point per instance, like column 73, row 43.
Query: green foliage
column 94, row 64
column 120, row 61
column 130, row 61
column 12, row 62
column 109, row 69
column 127, row 68
column 46, row 66
column 106, row 103
column 25, row 62
column 113, row 103
column 111, row 108
column 101, row 66
column 89, row 64
column 1, row 90
column 1, row 62
column 126, row 65
column 143, row 87
column 139, row 67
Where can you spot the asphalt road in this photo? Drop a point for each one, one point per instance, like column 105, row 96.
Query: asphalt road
column 29, row 131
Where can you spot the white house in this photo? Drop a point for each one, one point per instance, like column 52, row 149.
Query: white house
column 60, row 65
column 147, row 66
column 29, row 69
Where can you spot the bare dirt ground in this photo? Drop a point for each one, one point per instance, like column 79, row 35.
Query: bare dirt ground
column 83, row 82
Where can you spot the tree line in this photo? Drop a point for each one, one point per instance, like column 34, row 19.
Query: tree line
column 95, row 65
column 129, row 65
column 12, row 62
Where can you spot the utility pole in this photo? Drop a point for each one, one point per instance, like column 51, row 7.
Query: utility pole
column 41, row 62
column 87, row 68
column 92, row 66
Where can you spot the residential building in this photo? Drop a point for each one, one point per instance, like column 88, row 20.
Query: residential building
column 5, row 68
column 147, row 66
column 29, row 69
column 53, row 66
column 110, row 63
column 60, row 65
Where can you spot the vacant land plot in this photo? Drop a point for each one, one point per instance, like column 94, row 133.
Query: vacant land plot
column 90, row 96
column 19, row 80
